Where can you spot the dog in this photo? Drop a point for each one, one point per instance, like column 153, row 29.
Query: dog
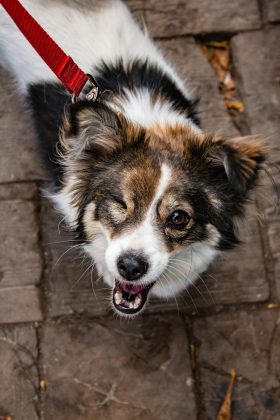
column 147, row 192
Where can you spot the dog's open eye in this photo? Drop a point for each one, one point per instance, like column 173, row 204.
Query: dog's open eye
column 178, row 219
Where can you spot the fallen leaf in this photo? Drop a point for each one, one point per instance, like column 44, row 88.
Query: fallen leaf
column 229, row 82
column 42, row 384
column 237, row 105
column 225, row 410
column 193, row 350
column 218, row 55
column 273, row 305
column 217, row 44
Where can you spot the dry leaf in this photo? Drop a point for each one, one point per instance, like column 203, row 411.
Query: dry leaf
column 229, row 82
column 42, row 384
column 237, row 105
column 218, row 44
column 218, row 54
column 193, row 356
column 273, row 305
column 225, row 410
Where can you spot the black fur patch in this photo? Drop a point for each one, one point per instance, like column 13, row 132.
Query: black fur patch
column 48, row 102
column 142, row 74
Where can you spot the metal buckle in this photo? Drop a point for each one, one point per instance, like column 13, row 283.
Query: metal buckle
column 94, row 92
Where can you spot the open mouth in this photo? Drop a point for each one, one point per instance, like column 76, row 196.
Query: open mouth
column 130, row 299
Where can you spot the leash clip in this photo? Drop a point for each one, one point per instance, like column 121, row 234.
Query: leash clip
column 94, row 92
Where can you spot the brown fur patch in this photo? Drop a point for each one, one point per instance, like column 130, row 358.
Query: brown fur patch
column 171, row 138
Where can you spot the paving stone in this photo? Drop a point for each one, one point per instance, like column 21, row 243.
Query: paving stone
column 19, row 158
column 20, row 262
column 192, row 65
column 114, row 370
column 249, row 343
column 271, row 10
column 174, row 17
column 18, row 191
column 18, row 379
column 258, row 71
column 259, row 74
column 20, row 304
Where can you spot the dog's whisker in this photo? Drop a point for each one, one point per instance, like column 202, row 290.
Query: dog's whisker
column 192, row 283
column 188, row 292
column 91, row 280
column 174, row 295
column 64, row 253
column 62, row 242
column 80, row 278
column 60, row 222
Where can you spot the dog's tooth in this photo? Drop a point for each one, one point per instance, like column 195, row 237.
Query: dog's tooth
column 137, row 301
column 131, row 305
column 118, row 297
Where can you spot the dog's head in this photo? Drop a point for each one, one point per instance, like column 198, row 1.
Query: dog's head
column 152, row 206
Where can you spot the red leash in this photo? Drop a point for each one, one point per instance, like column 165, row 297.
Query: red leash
column 67, row 71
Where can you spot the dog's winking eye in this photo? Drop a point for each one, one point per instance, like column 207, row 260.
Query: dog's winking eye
column 178, row 219
column 121, row 202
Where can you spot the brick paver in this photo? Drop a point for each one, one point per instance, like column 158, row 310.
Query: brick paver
column 166, row 18
column 259, row 72
column 193, row 67
column 20, row 259
column 113, row 370
column 271, row 10
column 249, row 343
column 79, row 362
column 19, row 158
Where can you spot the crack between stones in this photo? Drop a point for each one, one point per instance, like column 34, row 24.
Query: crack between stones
column 40, row 388
column 197, row 385
column 42, row 286
column 270, row 346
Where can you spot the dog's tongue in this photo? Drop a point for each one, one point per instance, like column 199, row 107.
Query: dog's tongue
column 131, row 289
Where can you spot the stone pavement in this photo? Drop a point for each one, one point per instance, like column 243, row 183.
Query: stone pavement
column 63, row 355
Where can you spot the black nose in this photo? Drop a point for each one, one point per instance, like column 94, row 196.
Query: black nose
column 132, row 266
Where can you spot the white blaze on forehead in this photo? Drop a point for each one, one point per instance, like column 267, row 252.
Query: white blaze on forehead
column 144, row 238
column 165, row 177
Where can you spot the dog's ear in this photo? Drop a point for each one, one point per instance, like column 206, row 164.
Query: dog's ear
column 93, row 128
column 242, row 160
column 239, row 158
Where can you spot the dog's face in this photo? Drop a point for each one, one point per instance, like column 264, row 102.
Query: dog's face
column 152, row 206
